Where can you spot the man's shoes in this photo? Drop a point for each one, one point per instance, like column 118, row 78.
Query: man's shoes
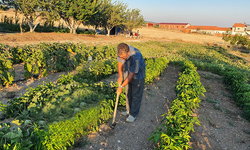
column 130, row 118
column 125, row 113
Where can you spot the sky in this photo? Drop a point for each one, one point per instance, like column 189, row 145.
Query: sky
column 221, row 13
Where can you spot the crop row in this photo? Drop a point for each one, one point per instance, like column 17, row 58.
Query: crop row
column 236, row 79
column 179, row 121
column 238, row 84
column 43, row 59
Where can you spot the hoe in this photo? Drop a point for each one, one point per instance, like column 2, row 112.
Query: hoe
column 116, row 103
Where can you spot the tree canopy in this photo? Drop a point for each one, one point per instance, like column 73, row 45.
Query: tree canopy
column 97, row 13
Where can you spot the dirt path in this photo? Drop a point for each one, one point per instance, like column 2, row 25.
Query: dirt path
column 149, row 34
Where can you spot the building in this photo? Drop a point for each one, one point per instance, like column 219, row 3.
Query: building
column 239, row 27
column 248, row 30
column 209, row 29
column 174, row 26
column 150, row 24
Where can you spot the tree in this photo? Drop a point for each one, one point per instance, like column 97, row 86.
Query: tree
column 75, row 12
column 133, row 19
column 97, row 20
column 114, row 14
column 36, row 11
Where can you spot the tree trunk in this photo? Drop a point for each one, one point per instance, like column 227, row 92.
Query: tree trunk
column 95, row 30
column 21, row 28
column 31, row 26
column 108, row 32
column 115, row 31
column 74, row 31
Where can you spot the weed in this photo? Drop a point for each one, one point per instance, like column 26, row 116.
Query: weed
column 226, row 95
column 212, row 101
column 227, row 111
column 208, row 87
column 246, row 131
column 218, row 108
column 231, row 124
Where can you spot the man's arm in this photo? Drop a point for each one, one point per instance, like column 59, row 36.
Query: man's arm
column 120, row 72
column 126, row 81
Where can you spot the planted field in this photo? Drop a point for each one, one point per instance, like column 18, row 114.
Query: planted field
column 59, row 114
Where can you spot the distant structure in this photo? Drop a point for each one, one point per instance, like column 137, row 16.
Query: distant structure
column 208, row 29
column 239, row 27
column 150, row 24
column 174, row 26
column 248, row 30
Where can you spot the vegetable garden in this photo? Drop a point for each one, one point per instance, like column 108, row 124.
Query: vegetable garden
column 54, row 116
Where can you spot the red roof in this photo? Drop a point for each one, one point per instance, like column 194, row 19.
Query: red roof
column 224, row 29
column 239, row 25
column 208, row 28
column 174, row 23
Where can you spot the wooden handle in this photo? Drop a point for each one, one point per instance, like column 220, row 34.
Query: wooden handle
column 116, row 103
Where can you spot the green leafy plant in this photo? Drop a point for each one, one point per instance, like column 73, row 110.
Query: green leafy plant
column 175, row 128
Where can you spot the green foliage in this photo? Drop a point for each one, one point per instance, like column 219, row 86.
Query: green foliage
column 73, row 94
column 56, row 107
column 36, row 11
column 237, row 82
column 154, row 68
column 237, row 40
column 133, row 19
column 174, row 131
column 97, row 70
column 114, row 14
column 6, row 70
column 21, row 138
column 2, row 7
column 43, row 58
column 75, row 12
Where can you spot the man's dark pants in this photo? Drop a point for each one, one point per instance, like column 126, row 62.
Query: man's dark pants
column 134, row 92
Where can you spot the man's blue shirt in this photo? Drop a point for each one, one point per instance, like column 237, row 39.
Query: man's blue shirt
column 134, row 64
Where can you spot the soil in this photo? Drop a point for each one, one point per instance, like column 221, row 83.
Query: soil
column 222, row 127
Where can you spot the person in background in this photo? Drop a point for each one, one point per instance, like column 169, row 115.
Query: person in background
column 131, row 34
column 135, row 35
column 127, row 33
column 131, row 68
column 138, row 34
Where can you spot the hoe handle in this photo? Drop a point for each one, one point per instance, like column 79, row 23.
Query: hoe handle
column 116, row 103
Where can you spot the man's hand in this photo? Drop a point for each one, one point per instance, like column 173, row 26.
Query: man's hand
column 119, row 80
column 119, row 90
